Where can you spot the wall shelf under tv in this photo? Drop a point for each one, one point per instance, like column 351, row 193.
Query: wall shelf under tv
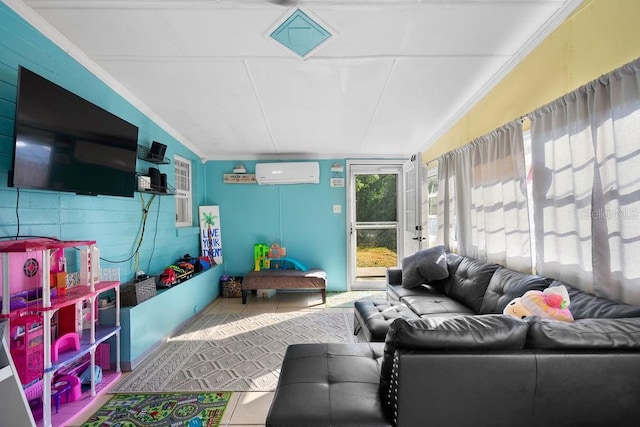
column 144, row 153
column 144, row 186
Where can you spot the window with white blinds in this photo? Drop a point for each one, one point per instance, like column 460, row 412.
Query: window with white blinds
column 183, row 184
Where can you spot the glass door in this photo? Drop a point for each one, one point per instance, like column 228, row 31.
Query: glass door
column 375, row 223
column 413, row 206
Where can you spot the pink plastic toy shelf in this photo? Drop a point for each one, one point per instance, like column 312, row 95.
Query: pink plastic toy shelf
column 30, row 263
column 40, row 244
column 73, row 295
column 25, row 272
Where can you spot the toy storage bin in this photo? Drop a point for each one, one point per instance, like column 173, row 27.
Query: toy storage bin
column 231, row 288
column 133, row 293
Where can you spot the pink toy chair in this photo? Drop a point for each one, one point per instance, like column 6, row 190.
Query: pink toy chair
column 69, row 341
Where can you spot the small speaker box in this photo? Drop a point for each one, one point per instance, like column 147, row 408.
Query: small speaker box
column 154, row 175
column 157, row 150
column 163, row 182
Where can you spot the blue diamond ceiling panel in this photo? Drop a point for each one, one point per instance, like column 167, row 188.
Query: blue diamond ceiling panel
column 300, row 33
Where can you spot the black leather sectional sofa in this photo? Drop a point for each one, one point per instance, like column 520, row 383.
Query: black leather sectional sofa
column 446, row 356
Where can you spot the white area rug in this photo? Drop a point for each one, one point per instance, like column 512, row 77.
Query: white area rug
column 233, row 352
column 346, row 299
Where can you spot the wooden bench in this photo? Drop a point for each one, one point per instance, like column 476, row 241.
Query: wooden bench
column 313, row 278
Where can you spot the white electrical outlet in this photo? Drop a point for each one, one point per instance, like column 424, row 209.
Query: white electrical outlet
column 337, row 209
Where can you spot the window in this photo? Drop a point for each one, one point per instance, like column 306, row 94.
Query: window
column 431, row 204
column 484, row 205
column 586, row 186
column 567, row 188
column 184, row 205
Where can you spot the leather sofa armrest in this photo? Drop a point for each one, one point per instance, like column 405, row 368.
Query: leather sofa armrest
column 465, row 334
column 394, row 276
column 446, row 387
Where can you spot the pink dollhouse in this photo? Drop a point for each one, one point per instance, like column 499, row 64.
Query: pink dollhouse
column 52, row 327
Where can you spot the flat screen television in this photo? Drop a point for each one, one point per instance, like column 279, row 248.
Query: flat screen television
column 66, row 143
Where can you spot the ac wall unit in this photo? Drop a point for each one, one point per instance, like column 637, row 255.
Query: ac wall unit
column 288, row 173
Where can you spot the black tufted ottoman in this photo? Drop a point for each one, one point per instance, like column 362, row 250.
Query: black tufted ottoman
column 329, row 385
column 373, row 317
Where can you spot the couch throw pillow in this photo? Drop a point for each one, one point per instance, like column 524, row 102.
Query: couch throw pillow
column 424, row 266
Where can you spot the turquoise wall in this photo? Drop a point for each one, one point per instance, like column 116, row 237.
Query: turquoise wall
column 299, row 217
column 114, row 222
column 145, row 325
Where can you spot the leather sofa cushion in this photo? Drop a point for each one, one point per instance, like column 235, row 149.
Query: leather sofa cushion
column 397, row 292
column 605, row 334
column 375, row 316
column 490, row 331
column 505, row 285
column 469, row 282
column 329, row 384
column 434, row 304
column 584, row 305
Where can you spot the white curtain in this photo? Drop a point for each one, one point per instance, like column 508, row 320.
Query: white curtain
column 446, row 232
column 586, row 186
column 482, row 199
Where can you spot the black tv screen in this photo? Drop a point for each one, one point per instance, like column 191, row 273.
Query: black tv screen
column 66, row 143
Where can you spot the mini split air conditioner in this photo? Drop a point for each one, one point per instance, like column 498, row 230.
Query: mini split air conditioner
column 288, row 173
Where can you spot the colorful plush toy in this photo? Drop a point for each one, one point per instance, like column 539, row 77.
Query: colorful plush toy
column 552, row 303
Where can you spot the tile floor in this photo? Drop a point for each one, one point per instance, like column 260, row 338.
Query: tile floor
column 246, row 408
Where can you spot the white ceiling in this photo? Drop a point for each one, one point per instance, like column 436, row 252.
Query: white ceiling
column 393, row 78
